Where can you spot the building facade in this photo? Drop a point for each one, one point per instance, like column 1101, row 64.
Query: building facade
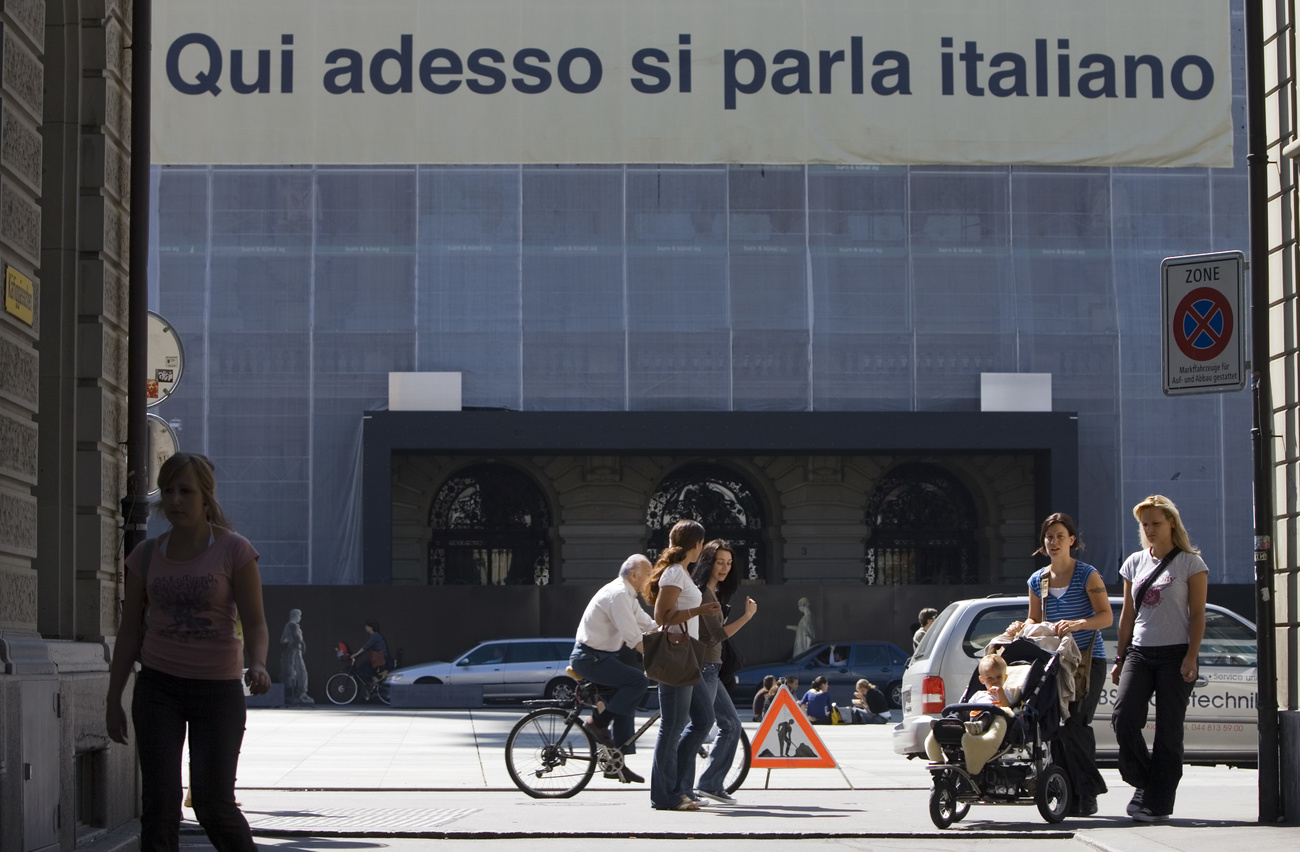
column 64, row 221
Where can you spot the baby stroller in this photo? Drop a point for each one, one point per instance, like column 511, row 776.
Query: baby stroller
column 1020, row 770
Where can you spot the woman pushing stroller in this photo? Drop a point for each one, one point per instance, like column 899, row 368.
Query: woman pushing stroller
column 1071, row 596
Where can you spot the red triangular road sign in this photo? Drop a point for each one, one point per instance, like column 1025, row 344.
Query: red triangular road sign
column 786, row 739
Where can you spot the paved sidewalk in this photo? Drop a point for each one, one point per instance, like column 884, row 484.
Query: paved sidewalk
column 309, row 778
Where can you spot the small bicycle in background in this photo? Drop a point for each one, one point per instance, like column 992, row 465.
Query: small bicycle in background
column 550, row 754
column 345, row 686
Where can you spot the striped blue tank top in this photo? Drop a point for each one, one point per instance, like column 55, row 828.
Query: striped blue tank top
column 1073, row 604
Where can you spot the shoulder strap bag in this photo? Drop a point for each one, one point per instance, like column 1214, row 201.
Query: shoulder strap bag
column 672, row 656
column 1151, row 578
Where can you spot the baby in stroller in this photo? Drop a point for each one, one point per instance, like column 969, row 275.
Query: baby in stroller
column 993, row 746
column 987, row 728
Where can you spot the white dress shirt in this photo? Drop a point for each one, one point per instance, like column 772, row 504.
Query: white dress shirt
column 614, row 618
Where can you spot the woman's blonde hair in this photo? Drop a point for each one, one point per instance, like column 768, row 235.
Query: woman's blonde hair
column 204, row 476
column 684, row 535
column 1164, row 504
column 863, row 682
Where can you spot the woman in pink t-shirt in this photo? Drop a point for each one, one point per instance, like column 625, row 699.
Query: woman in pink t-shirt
column 189, row 586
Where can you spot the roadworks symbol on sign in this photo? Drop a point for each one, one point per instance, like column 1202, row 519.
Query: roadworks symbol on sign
column 786, row 739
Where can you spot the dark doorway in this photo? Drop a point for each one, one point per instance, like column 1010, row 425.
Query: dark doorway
column 921, row 524
column 723, row 502
column 490, row 527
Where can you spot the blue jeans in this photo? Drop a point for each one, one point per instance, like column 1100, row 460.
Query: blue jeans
column 678, row 705
column 1156, row 772
column 714, row 777
column 697, row 729
column 214, row 711
column 606, row 669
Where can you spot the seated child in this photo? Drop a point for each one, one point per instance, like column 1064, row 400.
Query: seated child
column 993, row 674
column 977, row 744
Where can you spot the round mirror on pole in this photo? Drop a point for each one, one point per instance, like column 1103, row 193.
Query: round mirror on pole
column 163, row 444
column 165, row 362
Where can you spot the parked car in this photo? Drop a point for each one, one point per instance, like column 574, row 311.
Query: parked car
column 507, row 668
column 841, row 663
column 1221, row 724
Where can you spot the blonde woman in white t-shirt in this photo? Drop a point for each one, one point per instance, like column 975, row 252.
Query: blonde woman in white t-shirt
column 677, row 600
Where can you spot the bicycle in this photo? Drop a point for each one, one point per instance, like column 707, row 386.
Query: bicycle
column 343, row 687
column 551, row 755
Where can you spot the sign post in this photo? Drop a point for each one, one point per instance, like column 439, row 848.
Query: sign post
column 1203, row 330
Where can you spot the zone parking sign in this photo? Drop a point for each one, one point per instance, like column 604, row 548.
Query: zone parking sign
column 1203, row 307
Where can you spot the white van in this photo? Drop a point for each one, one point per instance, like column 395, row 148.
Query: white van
column 1222, row 720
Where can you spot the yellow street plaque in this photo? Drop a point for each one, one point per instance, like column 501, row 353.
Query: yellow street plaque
column 20, row 295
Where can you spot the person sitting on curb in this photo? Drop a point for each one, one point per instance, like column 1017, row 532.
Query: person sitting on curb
column 870, row 707
column 817, row 702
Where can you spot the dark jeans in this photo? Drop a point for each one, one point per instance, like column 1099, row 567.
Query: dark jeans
column 1156, row 772
column 630, row 683
column 214, row 712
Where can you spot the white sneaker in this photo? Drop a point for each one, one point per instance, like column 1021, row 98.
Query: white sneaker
column 719, row 796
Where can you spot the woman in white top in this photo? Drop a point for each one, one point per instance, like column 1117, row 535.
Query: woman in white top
column 1160, row 630
column 677, row 600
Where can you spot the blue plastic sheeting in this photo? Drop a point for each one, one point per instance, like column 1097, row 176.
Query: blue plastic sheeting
column 735, row 288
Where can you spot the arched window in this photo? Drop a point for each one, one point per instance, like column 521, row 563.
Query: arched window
column 921, row 525
column 491, row 527
column 720, row 500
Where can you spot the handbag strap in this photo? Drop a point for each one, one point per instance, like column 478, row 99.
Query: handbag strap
column 1151, row 578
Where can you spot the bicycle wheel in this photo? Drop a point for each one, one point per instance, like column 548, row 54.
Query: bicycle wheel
column 550, row 755
column 341, row 688
column 384, row 692
column 739, row 763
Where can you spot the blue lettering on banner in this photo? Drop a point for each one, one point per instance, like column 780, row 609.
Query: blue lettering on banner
column 744, row 71
column 1099, row 81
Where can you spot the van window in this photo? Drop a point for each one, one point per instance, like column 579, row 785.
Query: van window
column 989, row 625
column 1227, row 642
column 932, row 635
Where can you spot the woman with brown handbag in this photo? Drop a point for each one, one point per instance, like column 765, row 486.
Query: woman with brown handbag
column 677, row 601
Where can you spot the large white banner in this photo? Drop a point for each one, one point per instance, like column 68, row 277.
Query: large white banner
column 1101, row 82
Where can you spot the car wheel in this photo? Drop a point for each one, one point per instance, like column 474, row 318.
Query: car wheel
column 427, row 681
column 560, row 689
column 896, row 694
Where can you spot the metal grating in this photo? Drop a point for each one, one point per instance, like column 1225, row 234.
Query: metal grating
column 352, row 820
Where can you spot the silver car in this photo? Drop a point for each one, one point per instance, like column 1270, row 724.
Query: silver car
column 506, row 668
column 1221, row 724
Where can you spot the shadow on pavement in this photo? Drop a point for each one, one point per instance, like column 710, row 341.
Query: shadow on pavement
column 781, row 811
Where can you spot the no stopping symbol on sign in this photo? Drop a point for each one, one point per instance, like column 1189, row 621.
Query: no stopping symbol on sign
column 1202, row 324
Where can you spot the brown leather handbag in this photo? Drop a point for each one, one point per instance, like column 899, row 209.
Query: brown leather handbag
column 672, row 656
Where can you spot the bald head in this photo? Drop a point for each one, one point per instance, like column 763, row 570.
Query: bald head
column 634, row 567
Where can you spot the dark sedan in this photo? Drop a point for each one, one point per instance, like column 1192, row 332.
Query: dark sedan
column 842, row 664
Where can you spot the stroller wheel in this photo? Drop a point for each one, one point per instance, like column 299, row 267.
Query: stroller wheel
column 944, row 808
column 1053, row 794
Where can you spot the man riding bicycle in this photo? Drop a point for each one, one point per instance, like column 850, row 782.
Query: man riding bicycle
column 614, row 620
